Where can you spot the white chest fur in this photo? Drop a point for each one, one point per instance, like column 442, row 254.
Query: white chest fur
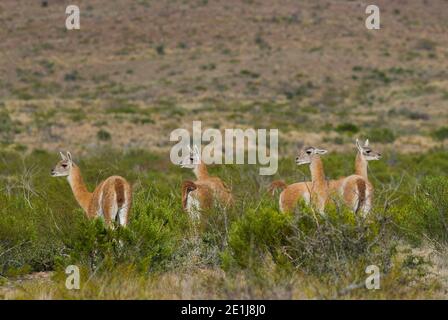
column 193, row 207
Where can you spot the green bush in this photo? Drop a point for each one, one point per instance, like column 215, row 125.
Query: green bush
column 28, row 237
column 440, row 134
column 339, row 242
column 426, row 215
column 7, row 127
column 148, row 243
column 160, row 49
column 347, row 128
column 42, row 227
column 381, row 135
column 324, row 246
column 72, row 76
column 257, row 235
column 103, row 135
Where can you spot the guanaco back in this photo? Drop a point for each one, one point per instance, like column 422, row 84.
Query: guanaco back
column 111, row 199
column 206, row 191
column 356, row 190
column 314, row 192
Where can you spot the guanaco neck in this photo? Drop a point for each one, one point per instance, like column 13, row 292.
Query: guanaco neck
column 201, row 171
column 82, row 195
column 361, row 165
column 317, row 173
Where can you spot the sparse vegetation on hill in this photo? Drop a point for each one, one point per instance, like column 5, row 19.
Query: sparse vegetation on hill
column 280, row 64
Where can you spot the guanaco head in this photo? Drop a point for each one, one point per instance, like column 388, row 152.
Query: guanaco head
column 366, row 152
column 193, row 158
column 307, row 155
column 64, row 166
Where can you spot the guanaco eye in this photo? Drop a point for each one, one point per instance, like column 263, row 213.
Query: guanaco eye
column 368, row 151
column 64, row 166
column 308, row 152
column 191, row 159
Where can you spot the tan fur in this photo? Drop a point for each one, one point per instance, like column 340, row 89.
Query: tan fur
column 361, row 187
column 187, row 187
column 356, row 190
column 107, row 198
column 314, row 192
column 292, row 194
column 319, row 185
column 111, row 199
column 353, row 190
column 211, row 189
column 361, row 166
column 82, row 195
column 204, row 193
column 276, row 185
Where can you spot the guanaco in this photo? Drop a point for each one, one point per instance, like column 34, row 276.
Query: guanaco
column 206, row 191
column 111, row 199
column 356, row 190
column 313, row 192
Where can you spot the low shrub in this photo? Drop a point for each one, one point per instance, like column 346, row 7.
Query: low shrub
column 42, row 227
column 440, row 134
column 103, row 135
column 257, row 235
column 425, row 217
column 381, row 135
column 347, row 128
column 147, row 243
column 340, row 241
column 326, row 246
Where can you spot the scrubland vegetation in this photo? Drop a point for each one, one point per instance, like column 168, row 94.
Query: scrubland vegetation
column 112, row 92
column 252, row 251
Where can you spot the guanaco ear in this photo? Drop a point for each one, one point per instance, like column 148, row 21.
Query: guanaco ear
column 358, row 145
column 69, row 156
column 320, row 151
column 63, row 157
column 366, row 144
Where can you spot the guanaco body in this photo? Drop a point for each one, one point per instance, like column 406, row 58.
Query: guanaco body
column 314, row 192
column 356, row 190
column 206, row 191
column 111, row 199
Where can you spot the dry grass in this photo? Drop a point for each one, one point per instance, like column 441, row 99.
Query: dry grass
column 301, row 68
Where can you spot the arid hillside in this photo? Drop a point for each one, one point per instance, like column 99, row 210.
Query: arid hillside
column 138, row 69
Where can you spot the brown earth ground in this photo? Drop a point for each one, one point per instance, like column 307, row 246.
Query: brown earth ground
column 138, row 69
